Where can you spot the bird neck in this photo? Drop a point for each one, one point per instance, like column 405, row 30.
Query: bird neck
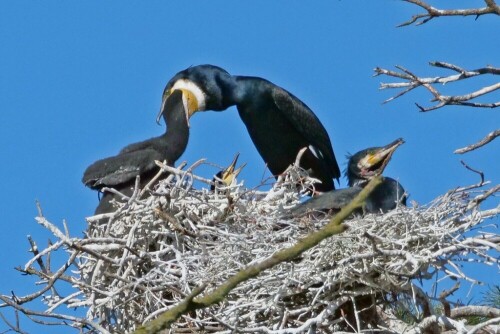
column 234, row 90
column 221, row 92
column 175, row 138
column 247, row 88
column 353, row 178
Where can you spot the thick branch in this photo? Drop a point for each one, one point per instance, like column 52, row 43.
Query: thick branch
column 478, row 327
column 426, row 325
column 475, row 311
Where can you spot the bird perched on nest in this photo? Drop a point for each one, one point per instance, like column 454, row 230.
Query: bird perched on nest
column 225, row 177
column 279, row 124
column 138, row 159
column 361, row 168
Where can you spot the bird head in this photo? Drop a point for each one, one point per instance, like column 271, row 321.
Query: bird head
column 203, row 87
column 227, row 176
column 370, row 162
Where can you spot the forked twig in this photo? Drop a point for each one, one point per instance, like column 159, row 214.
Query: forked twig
column 413, row 81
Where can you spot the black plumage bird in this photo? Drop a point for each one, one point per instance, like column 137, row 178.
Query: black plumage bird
column 225, row 177
column 361, row 168
column 279, row 124
column 138, row 159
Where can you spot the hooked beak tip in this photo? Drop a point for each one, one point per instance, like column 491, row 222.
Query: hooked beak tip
column 162, row 110
column 395, row 144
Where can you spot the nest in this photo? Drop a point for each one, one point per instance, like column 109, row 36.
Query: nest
column 137, row 263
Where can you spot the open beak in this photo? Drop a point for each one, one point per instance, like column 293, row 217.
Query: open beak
column 230, row 173
column 375, row 163
column 189, row 102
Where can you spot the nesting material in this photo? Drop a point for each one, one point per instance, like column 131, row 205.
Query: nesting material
column 148, row 256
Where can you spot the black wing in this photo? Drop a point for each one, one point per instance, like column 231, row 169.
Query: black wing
column 143, row 145
column 335, row 199
column 308, row 125
column 386, row 196
column 120, row 169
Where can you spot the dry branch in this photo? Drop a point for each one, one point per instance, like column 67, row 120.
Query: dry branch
column 432, row 12
column 474, row 310
column 413, row 81
column 489, row 137
column 138, row 265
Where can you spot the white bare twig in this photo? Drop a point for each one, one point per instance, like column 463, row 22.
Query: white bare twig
column 413, row 81
column 489, row 137
column 432, row 12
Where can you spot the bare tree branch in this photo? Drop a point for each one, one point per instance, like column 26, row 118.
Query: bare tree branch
column 478, row 327
column 474, row 310
column 13, row 327
column 430, row 322
column 70, row 318
column 442, row 298
column 413, row 81
column 432, row 12
column 480, row 173
column 489, row 137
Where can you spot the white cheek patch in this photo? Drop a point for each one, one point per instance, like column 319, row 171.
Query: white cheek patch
column 194, row 89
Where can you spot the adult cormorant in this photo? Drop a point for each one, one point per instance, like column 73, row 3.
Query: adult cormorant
column 361, row 168
column 138, row 159
column 225, row 177
column 279, row 124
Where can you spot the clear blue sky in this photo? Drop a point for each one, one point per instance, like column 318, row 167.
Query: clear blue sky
column 80, row 80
